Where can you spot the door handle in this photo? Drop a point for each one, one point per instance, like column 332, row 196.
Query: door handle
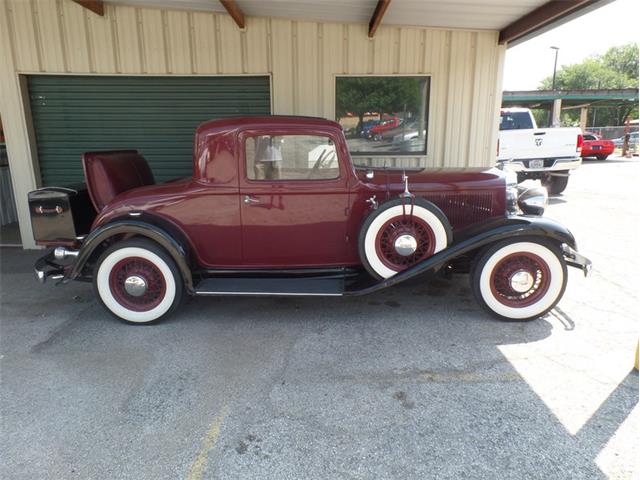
column 249, row 200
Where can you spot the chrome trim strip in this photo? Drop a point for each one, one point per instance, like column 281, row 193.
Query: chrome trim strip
column 267, row 294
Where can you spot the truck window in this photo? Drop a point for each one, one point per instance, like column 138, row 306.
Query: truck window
column 291, row 157
column 515, row 121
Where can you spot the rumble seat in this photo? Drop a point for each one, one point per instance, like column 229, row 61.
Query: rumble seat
column 110, row 173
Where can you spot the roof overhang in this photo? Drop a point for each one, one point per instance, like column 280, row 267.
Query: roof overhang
column 516, row 20
column 571, row 98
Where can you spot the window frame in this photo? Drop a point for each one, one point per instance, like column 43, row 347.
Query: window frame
column 424, row 153
column 282, row 132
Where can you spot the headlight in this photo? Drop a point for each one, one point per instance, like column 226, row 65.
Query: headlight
column 533, row 200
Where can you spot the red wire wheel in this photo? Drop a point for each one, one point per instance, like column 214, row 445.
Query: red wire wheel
column 520, row 263
column 395, row 228
column 144, row 269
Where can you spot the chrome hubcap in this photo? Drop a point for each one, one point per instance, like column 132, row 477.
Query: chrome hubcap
column 135, row 286
column 521, row 281
column 405, row 245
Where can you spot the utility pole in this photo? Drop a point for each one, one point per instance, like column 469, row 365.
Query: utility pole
column 557, row 102
column 555, row 66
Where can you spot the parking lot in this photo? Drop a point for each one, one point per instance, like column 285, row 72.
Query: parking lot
column 414, row 382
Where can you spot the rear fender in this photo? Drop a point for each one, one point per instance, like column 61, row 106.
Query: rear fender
column 480, row 236
column 174, row 242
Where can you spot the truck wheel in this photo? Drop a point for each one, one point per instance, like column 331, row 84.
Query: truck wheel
column 519, row 280
column 138, row 282
column 555, row 184
column 396, row 236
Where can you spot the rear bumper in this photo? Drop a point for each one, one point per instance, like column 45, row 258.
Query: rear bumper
column 46, row 267
column 590, row 152
column 551, row 165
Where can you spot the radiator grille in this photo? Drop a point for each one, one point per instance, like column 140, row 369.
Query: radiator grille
column 464, row 209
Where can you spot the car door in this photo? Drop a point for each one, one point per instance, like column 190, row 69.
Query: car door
column 294, row 197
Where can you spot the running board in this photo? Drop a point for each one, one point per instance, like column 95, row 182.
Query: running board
column 278, row 287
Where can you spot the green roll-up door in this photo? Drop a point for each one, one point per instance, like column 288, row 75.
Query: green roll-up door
column 155, row 115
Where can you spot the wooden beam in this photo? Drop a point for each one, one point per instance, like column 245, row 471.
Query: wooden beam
column 233, row 9
column 376, row 18
column 540, row 17
column 96, row 6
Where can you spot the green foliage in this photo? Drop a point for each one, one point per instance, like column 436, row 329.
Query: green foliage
column 617, row 68
column 378, row 94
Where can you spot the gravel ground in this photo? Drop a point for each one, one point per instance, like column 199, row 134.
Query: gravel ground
column 414, row 382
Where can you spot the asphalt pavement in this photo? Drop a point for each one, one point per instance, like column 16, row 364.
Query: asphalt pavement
column 413, row 382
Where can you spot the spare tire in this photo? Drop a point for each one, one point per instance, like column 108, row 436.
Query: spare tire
column 401, row 233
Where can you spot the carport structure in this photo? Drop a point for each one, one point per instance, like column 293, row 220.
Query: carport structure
column 91, row 74
column 556, row 100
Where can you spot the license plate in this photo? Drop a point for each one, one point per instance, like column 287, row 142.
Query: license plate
column 596, row 147
column 536, row 163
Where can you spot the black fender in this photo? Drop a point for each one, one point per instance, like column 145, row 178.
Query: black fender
column 480, row 236
column 174, row 243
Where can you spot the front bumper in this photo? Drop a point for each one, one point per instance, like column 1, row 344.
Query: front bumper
column 550, row 165
column 573, row 258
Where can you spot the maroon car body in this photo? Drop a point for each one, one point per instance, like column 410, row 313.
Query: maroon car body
column 224, row 223
column 225, row 232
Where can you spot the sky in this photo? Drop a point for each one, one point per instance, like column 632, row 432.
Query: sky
column 594, row 33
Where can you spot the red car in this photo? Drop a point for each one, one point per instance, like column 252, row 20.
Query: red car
column 275, row 206
column 595, row 146
column 388, row 123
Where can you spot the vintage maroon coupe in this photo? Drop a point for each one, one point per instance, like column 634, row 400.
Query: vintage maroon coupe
column 276, row 207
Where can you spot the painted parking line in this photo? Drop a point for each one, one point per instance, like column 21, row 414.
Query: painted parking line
column 209, row 441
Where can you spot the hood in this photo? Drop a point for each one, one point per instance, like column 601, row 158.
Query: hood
column 433, row 179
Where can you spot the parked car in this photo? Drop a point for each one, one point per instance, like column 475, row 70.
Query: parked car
column 547, row 154
column 594, row 146
column 633, row 141
column 260, row 217
column 377, row 132
column 366, row 126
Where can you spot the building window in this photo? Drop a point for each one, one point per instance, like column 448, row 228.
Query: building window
column 291, row 157
column 384, row 115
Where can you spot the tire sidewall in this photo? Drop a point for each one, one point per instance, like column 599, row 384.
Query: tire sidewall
column 481, row 279
column 154, row 254
column 423, row 209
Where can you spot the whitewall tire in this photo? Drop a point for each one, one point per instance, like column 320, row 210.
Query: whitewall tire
column 519, row 279
column 138, row 281
column 398, row 235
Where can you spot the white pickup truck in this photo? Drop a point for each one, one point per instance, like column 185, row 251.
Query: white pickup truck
column 546, row 154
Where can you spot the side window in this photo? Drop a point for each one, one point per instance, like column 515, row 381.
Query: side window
column 291, row 157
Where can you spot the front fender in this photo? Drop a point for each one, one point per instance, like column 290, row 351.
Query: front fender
column 518, row 226
column 178, row 251
column 479, row 236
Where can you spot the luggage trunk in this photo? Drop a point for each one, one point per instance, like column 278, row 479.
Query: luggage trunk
column 60, row 215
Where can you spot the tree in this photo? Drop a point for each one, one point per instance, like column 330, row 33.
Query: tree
column 617, row 68
column 358, row 95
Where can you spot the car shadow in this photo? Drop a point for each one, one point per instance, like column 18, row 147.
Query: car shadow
column 556, row 199
column 594, row 161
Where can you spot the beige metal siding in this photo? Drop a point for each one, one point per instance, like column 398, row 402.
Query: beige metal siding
column 303, row 58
